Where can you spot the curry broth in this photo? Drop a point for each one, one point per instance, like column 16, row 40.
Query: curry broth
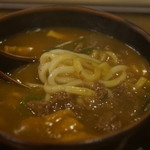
column 98, row 119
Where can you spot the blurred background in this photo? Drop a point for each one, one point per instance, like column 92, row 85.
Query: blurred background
column 108, row 5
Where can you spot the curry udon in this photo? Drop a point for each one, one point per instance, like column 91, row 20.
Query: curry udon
column 85, row 85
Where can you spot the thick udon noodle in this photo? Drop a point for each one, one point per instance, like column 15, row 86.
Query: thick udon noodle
column 63, row 70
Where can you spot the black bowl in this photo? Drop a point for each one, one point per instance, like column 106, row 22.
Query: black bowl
column 83, row 18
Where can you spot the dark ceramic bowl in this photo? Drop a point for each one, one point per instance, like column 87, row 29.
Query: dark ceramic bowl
column 84, row 18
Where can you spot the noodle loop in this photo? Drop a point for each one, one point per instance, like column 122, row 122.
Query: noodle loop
column 62, row 70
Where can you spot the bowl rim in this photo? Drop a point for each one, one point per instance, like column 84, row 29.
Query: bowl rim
column 52, row 8
column 11, row 138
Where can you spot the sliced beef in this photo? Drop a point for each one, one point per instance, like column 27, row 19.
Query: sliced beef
column 107, row 122
column 40, row 108
column 93, row 102
column 63, row 100
column 101, row 91
column 59, row 100
column 123, row 89
column 61, row 96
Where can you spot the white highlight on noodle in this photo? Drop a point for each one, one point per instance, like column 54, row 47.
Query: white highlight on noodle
column 62, row 70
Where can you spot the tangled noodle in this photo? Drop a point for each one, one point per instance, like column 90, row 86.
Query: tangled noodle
column 62, row 70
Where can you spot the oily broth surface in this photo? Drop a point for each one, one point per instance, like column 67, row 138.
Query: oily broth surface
column 12, row 96
column 39, row 41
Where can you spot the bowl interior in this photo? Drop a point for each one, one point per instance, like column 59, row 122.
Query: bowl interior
column 75, row 17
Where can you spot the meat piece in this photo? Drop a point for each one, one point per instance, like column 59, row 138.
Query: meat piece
column 108, row 122
column 62, row 100
column 101, row 91
column 123, row 89
column 40, row 108
column 93, row 102
column 58, row 101
column 60, row 96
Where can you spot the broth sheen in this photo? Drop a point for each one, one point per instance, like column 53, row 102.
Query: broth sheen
column 67, row 117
